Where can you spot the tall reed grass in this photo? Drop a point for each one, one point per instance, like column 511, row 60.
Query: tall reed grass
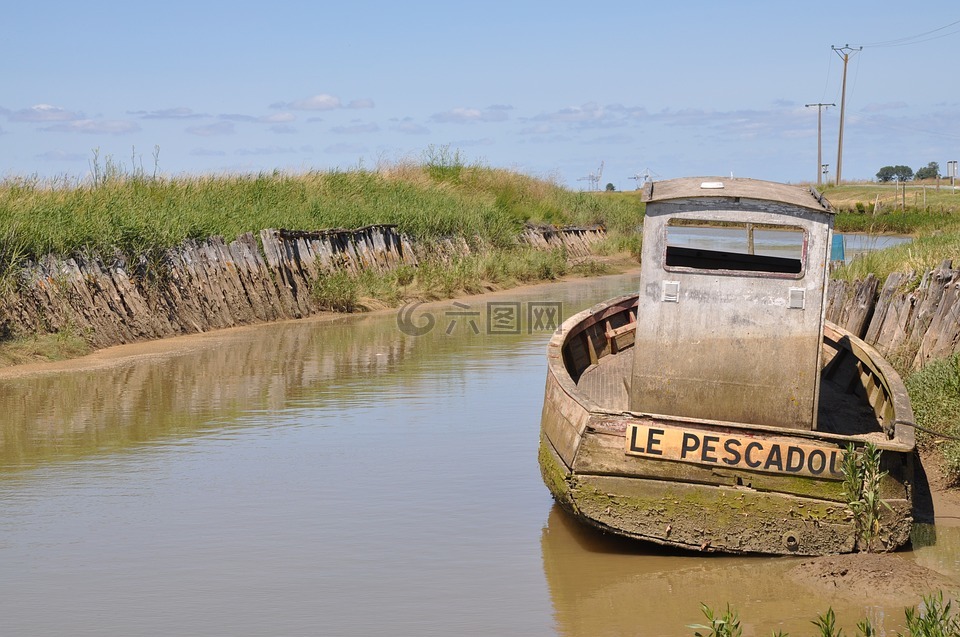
column 919, row 256
column 140, row 214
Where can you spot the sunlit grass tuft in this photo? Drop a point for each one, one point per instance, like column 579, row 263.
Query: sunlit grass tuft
column 142, row 214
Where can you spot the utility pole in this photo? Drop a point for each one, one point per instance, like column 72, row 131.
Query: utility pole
column 820, row 108
column 844, row 53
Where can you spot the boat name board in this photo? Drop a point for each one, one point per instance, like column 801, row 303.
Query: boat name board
column 733, row 451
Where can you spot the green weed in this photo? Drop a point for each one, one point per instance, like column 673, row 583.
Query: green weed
column 861, row 488
column 827, row 625
column 934, row 618
column 726, row 624
column 336, row 291
column 935, row 398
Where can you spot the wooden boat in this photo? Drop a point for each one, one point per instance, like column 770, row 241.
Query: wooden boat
column 714, row 409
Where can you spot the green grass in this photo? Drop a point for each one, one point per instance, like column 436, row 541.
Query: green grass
column 140, row 214
column 933, row 618
column 935, row 398
column 923, row 197
column 434, row 279
column 935, row 228
column 920, row 255
column 42, row 347
column 910, row 222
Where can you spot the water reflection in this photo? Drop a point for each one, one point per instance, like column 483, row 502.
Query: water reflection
column 856, row 244
column 71, row 414
column 742, row 239
column 603, row 585
column 253, row 377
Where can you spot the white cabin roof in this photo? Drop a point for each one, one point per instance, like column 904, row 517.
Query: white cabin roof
column 698, row 187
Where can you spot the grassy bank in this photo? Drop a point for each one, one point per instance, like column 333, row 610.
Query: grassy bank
column 934, row 224
column 920, row 255
column 935, row 397
column 141, row 214
column 471, row 274
column 876, row 198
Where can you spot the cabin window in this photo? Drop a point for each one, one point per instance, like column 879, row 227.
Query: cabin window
column 735, row 246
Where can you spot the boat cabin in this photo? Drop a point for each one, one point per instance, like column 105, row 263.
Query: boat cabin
column 732, row 296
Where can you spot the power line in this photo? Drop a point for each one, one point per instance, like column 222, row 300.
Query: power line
column 826, row 83
column 914, row 39
column 844, row 53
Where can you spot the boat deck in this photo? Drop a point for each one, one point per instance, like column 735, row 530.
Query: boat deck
column 840, row 412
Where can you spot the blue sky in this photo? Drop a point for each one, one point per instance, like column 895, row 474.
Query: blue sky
column 551, row 89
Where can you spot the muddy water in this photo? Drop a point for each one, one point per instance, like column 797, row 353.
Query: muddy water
column 338, row 478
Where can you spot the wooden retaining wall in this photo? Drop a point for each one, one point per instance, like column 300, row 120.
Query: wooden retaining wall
column 909, row 324
column 212, row 284
column 578, row 242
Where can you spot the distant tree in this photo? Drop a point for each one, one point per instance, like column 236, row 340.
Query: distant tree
column 904, row 173
column 900, row 173
column 611, row 188
column 887, row 173
column 930, row 171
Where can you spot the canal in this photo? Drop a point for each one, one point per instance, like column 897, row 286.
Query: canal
column 353, row 476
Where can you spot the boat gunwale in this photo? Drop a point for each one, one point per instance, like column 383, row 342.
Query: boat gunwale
column 903, row 435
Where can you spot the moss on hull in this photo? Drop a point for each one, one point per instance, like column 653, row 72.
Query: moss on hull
column 714, row 518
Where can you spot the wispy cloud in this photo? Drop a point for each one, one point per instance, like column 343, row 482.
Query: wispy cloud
column 497, row 113
column 537, row 129
column 274, row 118
column 365, row 102
column 61, row 155
column 467, row 143
column 42, row 113
column 207, row 152
column 590, row 115
column 320, row 102
column 611, row 140
column 237, row 117
column 278, row 118
column 213, row 130
column 879, row 107
column 275, row 150
column 343, row 149
column 356, row 128
column 178, row 112
column 95, row 127
column 410, row 127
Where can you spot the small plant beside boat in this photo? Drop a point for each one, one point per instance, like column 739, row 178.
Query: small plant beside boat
column 827, row 624
column 861, row 487
column 726, row 624
column 932, row 618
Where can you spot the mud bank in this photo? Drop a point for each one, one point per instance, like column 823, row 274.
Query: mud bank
column 212, row 284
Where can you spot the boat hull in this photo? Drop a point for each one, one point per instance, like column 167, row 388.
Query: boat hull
column 706, row 517
column 778, row 502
